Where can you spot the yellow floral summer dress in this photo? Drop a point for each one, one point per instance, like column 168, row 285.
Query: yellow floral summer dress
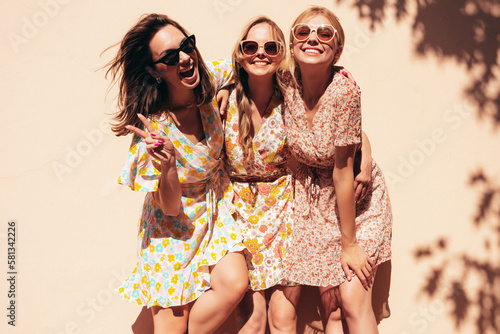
column 263, row 193
column 175, row 252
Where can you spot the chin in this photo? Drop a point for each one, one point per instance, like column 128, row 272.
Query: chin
column 193, row 82
column 319, row 62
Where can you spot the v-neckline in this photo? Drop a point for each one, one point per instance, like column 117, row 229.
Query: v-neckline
column 320, row 106
column 313, row 120
column 267, row 114
column 182, row 136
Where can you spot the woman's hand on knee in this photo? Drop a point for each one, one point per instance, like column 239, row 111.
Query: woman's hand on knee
column 353, row 257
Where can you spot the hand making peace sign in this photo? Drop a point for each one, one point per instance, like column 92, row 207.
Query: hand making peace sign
column 158, row 146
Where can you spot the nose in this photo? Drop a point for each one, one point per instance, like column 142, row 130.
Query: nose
column 260, row 50
column 183, row 56
column 313, row 36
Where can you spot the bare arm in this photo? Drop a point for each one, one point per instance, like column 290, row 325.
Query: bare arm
column 343, row 180
column 366, row 150
column 222, row 97
column 168, row 195
column 363, row 180
column 352, row 255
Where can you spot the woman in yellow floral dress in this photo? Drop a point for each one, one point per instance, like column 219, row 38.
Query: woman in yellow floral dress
column 189, row 246
column 256, row 160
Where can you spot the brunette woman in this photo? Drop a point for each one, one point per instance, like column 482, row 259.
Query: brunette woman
column 189, row 246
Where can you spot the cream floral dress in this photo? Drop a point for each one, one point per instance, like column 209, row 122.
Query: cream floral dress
column 263, row 192
column 175, row 252
column 313, row 256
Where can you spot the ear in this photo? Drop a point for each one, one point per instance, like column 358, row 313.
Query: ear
column 153, row 72
column 338, row 52
column 291, row 48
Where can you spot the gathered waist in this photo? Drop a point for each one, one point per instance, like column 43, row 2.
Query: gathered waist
column 213, row 182
column 313, row 172
column 256, row 178
column 198, row 184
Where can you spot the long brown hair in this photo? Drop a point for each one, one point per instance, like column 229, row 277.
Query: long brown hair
column 292, row 65
column 241, row 84
column 139, row 92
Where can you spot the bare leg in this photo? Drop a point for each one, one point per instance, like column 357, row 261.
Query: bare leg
column 282, row 309
column 229, row 281
column 170, row 320
column 253, row 304
column 357, row 307
column 330, row 298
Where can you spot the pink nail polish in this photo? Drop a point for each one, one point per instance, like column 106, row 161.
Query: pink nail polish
column 161, row 141
column 157, row 144
column 153, row 135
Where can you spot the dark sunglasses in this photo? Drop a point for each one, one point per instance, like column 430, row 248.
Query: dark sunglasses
column 172, row 56
column 324, row 32
column 271, row 48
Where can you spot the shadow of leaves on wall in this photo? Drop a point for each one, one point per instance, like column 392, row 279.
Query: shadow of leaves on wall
column 464, row 31
column 470, row 285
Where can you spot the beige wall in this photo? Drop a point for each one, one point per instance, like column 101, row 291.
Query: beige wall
column 75, row 227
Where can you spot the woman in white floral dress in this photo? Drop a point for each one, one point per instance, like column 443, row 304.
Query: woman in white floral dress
column 190, row 260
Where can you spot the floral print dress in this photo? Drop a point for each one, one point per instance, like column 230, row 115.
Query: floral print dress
column 263, row 192
column 175, row 252
column 313, row 255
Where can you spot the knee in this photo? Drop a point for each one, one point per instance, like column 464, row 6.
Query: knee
column 350, row 307
column 236, row 283
column 354, row 306
column 282, row 319
column 256, row 323
column 335, row 315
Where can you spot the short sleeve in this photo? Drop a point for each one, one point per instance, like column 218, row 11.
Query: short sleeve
column 139, row 171
column 221, row 71
column 348, row 116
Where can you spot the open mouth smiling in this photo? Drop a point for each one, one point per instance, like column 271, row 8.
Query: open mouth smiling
column 187, row 73
column 315, row 51
column 260, row 63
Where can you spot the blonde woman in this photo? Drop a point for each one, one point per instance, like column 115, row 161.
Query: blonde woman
column 336, row 243
column 256, row 160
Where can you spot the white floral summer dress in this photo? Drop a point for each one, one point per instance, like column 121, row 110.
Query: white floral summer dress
column 175, row 252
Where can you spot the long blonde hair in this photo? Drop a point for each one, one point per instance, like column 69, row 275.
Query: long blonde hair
column 241, row 84
column 292, row 65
